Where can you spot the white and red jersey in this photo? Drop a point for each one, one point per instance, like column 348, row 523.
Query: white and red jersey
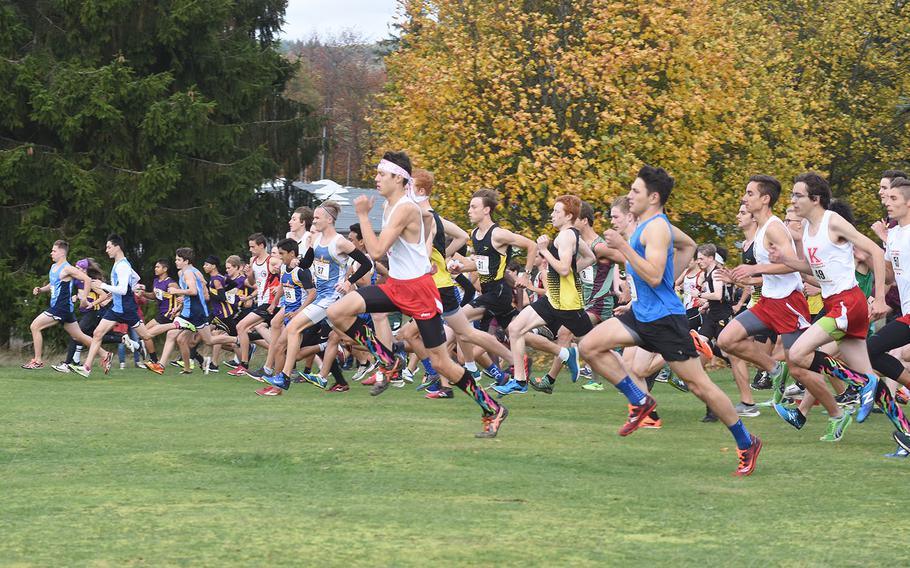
column 407, row 260
column 261, row 273
column 691, row 285
column 897, row 252
column 775, row 286
column 832, row 264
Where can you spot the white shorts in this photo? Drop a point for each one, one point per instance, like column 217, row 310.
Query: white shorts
column 315, row 312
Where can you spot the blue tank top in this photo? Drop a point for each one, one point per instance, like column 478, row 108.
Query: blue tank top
column 649, row 304
column 194, row 305
column 125, row 304
column 61, row 291
column 328, row 268
column 292, row 289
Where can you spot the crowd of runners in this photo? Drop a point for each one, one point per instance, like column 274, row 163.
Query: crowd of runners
column 814, row 306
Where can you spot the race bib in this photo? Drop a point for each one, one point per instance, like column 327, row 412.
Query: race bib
column 231, row 296
column 321, row 269
column 159, row 295
column 895, row 258
column 587, row 275
column 483, row 265
column 632, row 291
column 289, row 295
column 818, row 270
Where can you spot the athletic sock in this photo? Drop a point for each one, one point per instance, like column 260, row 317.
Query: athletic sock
column 628, row 387
column 153, row 356
column 549, row 378
column 741, row 435
column 654, row 415
column 564, row 354
column 307, row 370
column 495, row 372
column 428, row 367
column 470, row 365
column 891, row 408
column 337, row 374
column 362, row 334
column 836, row 368
column 480, row 396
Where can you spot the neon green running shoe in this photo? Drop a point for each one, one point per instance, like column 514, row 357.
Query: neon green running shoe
column 592, row 385
column 779, row 376
column 837, row 427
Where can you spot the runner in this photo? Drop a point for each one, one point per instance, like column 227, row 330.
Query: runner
column 657, row 319
column 61, row 277
column 259, row 263
column 409, row 289
column 123, row 309
column 828, row 242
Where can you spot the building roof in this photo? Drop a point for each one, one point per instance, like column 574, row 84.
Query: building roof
column 324, row 190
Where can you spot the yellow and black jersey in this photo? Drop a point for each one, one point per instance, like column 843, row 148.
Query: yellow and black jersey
column 491, row 264
column 564, row 292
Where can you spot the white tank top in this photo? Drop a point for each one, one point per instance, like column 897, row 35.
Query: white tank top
column 775, row 286
column 407, row 260
column 832, row 264
column 897, row 252
column 689, row 288
column 260, row 272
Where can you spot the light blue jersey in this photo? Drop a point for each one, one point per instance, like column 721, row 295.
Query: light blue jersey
column 329, row 269
column 649, row 304
column 61, row 291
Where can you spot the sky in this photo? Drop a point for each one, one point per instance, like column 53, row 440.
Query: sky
column 329, row 17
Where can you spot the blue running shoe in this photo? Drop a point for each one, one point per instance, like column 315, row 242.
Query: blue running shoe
column 573, row 363
column 898, row 453
column 280, row 380
column 903, row 440
column 867, row 398
column 511, row 387
column 315, row 380
column 428, row 380
column 792, row 415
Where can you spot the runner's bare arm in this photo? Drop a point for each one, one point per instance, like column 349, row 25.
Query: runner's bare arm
column 457, row 234
column 396, row 226
column 656, row 240
column 683, row 250
column 504, row 237
column 839, row 227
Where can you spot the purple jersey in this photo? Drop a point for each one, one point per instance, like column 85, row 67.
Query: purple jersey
column 166, row 300
column 217, row 307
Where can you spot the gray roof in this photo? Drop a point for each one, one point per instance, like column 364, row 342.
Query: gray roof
column 324, row 190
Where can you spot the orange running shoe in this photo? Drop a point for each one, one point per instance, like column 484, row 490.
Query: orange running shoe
column 701, row 346
column 637, row 413
column 748, row 457
column 651, row 423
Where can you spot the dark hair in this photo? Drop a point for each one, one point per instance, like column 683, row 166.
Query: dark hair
column 399, row 159
column 212, row 259
column 258, row 238
column 115, row 240
column 164, row 262
column 288, row 245
column 816, row 186
column 186, row 253
column 891, row 174
column 489, row 197
column 306, row 217
column 657, row 180
column 587, row 213
column 94, row 270
column 61, row 244
column 843, row 209
column 355, row 228
column 767, row 185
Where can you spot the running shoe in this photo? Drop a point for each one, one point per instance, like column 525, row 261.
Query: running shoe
column 678, row 383
column 62, row 368
column 270, row 391
column 360, row 373
column 315, row 380
column 794, row 391
column 397, row 383
column 133, row 346
column 541, row 384
column 427, row 381
column 792, row 416
column 141, row 365
column 701, row 346
column 371, row 380
column 492, row 424
column 176, row 363
column 761, row 380
column 339, row 388
column 186, row 372
column 709, row 417
column 233, row 363
column 572, row 363
column 213, row 368
column 898, row 453
column 748, row 457
column 637, row 413
column 849, row 397
column 370, row 370
column 259, row 373
column 586, row 372
column 592, row 385
column 81, row 370
column 902, row 395
column 280, row 380
column 441, row 393
column 380, row 386
column 156, row 368
column 238, row 371
column 511, row 387
column 651, row 423
column 747, row 410
column 407, row 375
column 867, row 398
column 903, row 440
column 836, row 427
column 295, row 376
column 106, row 362
column 779, row 376
column 180, row 323
column 33, row 365
column 663, row 375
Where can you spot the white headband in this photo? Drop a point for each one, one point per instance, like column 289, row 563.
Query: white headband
column 393, row 168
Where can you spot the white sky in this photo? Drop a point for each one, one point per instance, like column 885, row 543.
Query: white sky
column 329, row 17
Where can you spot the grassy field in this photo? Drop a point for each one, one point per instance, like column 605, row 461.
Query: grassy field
column 136, row 469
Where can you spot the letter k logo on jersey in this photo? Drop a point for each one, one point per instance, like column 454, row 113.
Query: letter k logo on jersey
column 812, row 258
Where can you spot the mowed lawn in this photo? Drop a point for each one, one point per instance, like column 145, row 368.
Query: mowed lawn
column 136, row 469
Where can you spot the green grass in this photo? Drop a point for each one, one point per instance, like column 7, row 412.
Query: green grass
column 137, row 469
